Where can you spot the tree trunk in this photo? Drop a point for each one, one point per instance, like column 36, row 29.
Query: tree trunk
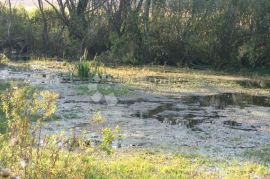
column 9, row 26
column 146, row 17
column 45, row 35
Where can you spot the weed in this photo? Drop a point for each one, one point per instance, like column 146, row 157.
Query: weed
column 108, row 136
column 26, row 153
column 3, row 59
column 20, row 105
column 86, row 69
column 97, row 118
column 83, row 70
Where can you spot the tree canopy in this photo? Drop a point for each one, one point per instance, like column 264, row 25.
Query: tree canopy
column 218, row 33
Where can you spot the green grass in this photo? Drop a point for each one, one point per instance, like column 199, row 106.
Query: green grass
column 3, row 121
column 181, row 80
column 133, row 164
column 261, row 155
column 83, row 70
column 263, row 71
column 4, row 85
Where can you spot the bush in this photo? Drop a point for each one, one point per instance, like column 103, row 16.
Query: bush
column 25, row 153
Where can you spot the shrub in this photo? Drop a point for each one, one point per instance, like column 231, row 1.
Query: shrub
column 26, row 153
column 3, row 59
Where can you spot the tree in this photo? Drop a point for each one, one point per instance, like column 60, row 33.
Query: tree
column 45, row 35
column 74, row 13
column 118, row 12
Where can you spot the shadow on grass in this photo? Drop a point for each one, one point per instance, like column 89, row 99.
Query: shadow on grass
column 3, row 121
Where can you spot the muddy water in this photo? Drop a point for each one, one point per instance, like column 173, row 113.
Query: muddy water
column 191, row 114
column 223, row 125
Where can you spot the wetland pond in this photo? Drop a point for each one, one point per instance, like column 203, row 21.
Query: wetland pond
column 221, row 125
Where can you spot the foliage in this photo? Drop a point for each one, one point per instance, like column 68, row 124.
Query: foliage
column 3, row 121
column 176, row 32
column 27, row 153
column 96, row 68
column 20, row 105
column 123, row 49
column 97, row 118
column 83, row 69
column 3, row 59
column 86, row 69
column 108, row 136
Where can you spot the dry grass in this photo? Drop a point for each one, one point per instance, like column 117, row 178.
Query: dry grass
column 165, row 80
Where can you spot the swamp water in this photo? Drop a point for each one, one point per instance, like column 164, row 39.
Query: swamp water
column 221, row 125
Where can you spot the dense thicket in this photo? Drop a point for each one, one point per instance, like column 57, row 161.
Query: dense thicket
column 177, row 32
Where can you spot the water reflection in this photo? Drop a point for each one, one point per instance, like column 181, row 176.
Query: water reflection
column 223, row 100
column 192, row 110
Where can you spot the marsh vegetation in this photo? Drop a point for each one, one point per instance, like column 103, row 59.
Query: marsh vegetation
column 135, row 89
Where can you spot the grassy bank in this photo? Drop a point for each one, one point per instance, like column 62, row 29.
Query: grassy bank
column 171, row 80
column 129, row 164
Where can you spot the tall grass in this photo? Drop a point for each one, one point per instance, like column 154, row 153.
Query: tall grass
column 83, row 70
column 26, row 153
column 86, row 69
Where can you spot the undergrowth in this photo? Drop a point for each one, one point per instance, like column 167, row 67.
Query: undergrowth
column 28, row 153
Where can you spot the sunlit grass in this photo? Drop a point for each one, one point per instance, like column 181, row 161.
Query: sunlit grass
column 161, row 79
column 136, row 164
